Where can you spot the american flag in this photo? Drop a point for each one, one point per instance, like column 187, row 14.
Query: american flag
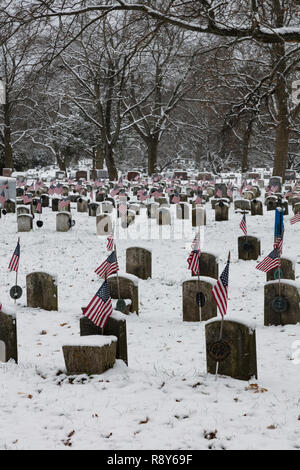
column 110, row 242
column 39, row 207
column 122, row 208
column 220, row 291
column 109, row 267
column 27, row 199
column 278, row 244
column 2, row 198
column 295, row 219
column 63, row 203
column 100, row 307
column 274, row 189
column 176, row 198
column 193, row 260
column 198, row 200
column 59, row 189
column 219, row 193
column 14, row 262
column 243, row 225
column 271, row 262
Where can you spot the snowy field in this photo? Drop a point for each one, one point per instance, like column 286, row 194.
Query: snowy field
column 164, row 399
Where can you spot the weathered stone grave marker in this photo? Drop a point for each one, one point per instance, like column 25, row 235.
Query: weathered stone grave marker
column 196, row 294
column 8, row 337
column 139, row 262
column 282, row 303
column 42, row 291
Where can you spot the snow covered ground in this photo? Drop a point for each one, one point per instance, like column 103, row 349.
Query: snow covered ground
column 164, row 399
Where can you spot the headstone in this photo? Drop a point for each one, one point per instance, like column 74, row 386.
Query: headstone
column 63, row 221
column 93, row 208
column 195, row 294
column 129, row 289
column 24, row 222
column 42, row 291
column 10, row 206
column 209, row 266
column 235, row 352
column 103, row 225
column 242, row 204
column 8, row 337
column 115, row 326
column 282, row 304
column 54, row 204
column 198, row 217
column 256, row 207
column 163, row 216
column 286, row 271
column 249, row 248
column 128, row 219
column 90, row 355
column 22, row 209
column 221, row 211
column 82, row 205
column 152, row 210
column 182, row 211
column 139, row 262
column 107, row 207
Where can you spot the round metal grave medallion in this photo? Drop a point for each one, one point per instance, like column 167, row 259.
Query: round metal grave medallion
column 16, row 292
column 39, row 223
column 200, row 299
column 279, row 304
column 4, row 212
column 219, row 350
column 221, row 204
column 121, row 306
column 278, row 271
column 247, row 246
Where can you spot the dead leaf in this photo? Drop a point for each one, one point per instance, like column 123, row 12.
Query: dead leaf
column 145, row 421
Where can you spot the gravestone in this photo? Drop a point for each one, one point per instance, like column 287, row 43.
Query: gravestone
column 22, row 209
column 195, row 294
column 8, row 337
column 107, row 207
column 103, row 225
column 93, row 208
column 82, row 205
column 163, row 216
column 198, row 217
column 209, row 266
column 115, row 326
column 139, row 262
column 256, row 207
column 183, row 211
column 282, row 305
column 249, row 248
column 235, row 352
column 24, row 222
column 128, row 219
column 10, row 206
column 129, row 289
column 276, row 181
column 42, row 291
column 63, row 221
column 54, row 204
column 221, row 187
column 296, row 208
column 152, row 210
column 90, row 355
column 221, row 211
column 287, row 271
column 242, row 204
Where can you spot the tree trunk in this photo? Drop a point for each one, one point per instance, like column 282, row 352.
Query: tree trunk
column 8, row 154
column 61, row 163
column 110, row 163
column 152, row 146
column 245, row 147
column 99, row 158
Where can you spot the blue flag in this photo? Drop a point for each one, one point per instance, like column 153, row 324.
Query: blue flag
column 279, row 223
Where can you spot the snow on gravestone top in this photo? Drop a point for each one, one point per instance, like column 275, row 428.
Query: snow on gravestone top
column 285, row 281
column 233, row 318
column 130, row 277
column 94, row 341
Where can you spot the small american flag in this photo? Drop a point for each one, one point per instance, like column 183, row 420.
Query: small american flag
column 39, row 207
column 14, row 262
column 219, row 193
column 176, row 198
column 271, row 262
column 109, row 267
column 295, row 219
column 274, row 188
column 243, row 225
column 220, row 291
column 278, row 244
column 63, row 203
column 193, row 261
column 27, row 199
column 100, row 307
column 122, row 208
column 110, row 242
column 2, row 198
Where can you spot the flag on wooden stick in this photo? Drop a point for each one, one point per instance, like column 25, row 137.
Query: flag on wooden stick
column 220, row 291
column 109, row 267
column 110, row 242
column 271, row 262
column 243, row 225
column 295, row 219
column 100, row 307
column 15, row 259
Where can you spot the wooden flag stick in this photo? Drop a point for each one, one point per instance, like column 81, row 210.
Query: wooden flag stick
column 221, row 328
